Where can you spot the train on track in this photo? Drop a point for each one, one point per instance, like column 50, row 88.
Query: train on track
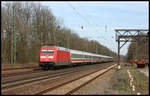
column 51, row 56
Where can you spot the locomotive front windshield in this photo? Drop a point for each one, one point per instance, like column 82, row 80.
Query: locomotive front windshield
column 47, row 51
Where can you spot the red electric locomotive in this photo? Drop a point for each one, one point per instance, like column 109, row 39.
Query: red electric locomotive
column 51, row 56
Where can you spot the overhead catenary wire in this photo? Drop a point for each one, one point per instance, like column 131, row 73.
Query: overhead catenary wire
column 106, row 39
column 78, row 12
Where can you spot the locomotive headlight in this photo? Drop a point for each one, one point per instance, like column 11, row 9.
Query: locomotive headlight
column 50, row 57
column 42, row 57
column 47, row 57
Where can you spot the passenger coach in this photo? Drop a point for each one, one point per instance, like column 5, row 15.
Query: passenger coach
column 51, row 56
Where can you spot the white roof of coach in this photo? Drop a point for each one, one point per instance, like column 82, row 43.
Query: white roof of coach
column 75, row 51
column 87, row 53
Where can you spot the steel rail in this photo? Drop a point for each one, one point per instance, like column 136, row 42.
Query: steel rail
column 10, row 84
column 60, row 85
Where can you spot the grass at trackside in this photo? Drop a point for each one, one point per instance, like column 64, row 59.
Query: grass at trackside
column 146, row 68
column 141, row 82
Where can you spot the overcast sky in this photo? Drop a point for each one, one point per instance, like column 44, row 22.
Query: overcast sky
column 95, row 16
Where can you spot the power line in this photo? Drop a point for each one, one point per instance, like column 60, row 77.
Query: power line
column 89, row 23
column 78, row 12
column 96, row 25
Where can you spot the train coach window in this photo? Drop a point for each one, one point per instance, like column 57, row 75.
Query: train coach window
column 47, row 51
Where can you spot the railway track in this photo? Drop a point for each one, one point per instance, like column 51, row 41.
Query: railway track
column 60, row 89
column 45, row 75
column 21, row 73
column 11, row 85
column 30, row 80
column 12, row 77
column 34, row 70
column 7, row 69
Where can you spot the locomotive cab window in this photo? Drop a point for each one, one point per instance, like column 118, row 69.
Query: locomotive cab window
column 47, row 51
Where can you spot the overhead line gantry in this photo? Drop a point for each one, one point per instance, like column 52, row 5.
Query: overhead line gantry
column 128, row 35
